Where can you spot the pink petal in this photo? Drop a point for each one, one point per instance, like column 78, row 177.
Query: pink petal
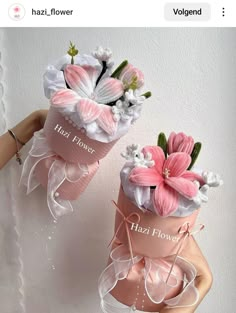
column 106, row 120
column 88, row 110
column 64, row 97
column 108, row 90
column 165, row 200
column 92, row 72
column 129, row 72
column 177, row 163
column 193, row 176
column 183, row 186
column 157, row 155
column 187, row 145
column 78, row 80
column 170, row 142
column 177, row 140
column 142, row 176
column 180, row 143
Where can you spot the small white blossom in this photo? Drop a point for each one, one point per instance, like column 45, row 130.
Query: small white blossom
column 143, row 161
column 103, row 55
column 138, row 159
column 202, row 194
column 122, row 111
column 131, row 151
column 130, row 107
column 133, row 97
column 212, row 179
column 136, row 112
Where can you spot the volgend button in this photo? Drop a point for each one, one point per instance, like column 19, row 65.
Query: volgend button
column 187, row 11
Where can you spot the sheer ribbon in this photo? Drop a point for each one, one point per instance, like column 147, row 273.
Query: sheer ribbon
column 59, row 171
column 127, row 220
column 155, row 272
column 156, row 286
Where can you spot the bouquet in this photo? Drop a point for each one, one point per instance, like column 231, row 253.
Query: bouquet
column 159, row 200
column 92, row 106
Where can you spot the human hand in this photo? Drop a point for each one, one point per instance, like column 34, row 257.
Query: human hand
column 24, row 131
column 42, row 115
column 32, row 123
column 203, row 281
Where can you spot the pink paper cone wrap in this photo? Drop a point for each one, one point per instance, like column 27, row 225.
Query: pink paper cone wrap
column 77, row 147
column 152, row 236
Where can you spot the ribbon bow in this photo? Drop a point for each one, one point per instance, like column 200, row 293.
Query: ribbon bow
column 155, row 284
column 127, row 220
column 59, row 171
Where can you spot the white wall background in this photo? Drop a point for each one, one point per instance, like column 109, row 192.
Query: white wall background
column 192, row 74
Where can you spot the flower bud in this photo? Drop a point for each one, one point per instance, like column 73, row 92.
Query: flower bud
column 132, row 77
column 180, row 143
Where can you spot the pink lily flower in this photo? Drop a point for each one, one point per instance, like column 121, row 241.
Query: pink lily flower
column 180, row 143
column 89, row 98
column 171, row 178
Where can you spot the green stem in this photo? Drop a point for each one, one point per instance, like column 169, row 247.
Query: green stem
column 119, row 69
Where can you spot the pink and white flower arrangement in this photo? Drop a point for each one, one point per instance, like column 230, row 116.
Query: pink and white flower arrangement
column 102, row 102
column 162, row 178
column 161, row 182
column 92, row 106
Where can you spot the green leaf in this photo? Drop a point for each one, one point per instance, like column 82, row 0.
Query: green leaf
column 119, row 69
column 147, row 94
column 162, row 142
column 195, row 153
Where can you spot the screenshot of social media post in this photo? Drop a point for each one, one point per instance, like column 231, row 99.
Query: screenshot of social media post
column 117, row 156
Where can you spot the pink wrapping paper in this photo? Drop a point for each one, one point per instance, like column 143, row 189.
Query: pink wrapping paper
column 152, row 236
column 71, row 143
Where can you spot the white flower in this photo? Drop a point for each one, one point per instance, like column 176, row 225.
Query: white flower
column 137, row 158
column 133, row 97
column 103, row 55
column 212, row 179
column 122, row 111
column 202, row 194
column 131, row 151
column 130, row 108
column 136, row 112
column 143, row 161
